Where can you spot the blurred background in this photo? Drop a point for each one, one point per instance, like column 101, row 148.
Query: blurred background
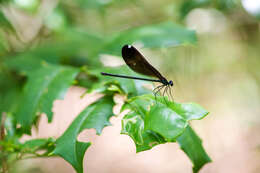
column 221, row 73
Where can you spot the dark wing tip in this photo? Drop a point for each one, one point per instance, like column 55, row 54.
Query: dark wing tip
column 127, row 46
column 128, row 51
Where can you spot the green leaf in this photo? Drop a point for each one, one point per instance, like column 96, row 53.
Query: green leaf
column 187, row 6
column 98, row 114
column 151, row 122
column 56, row 20
column 3, row 46
column 29, row 6
column 10, row 127
column 133, row 126
column 71, row 47
column 4, row 22
column 10, row 91
column 221, row 5
column 43, row 87
column 94, row 116
column 151, row 116
column 158, row 35
column 165, row 122
column 34, row 145
column 97, row 4
column 191, row 144
column 25, row 64
column 189, row 111
column 133, row 123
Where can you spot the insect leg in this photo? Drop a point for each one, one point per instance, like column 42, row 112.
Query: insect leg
column 171, row 95
column 158, row 90
column 168, row 91
column 165, row 91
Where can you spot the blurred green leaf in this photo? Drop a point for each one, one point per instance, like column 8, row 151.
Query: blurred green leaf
column 222, row 5
column 151, row 122
column 10, row 91
column 10, row 126
column 34, row 143
column 30, row 6
column 2, row 46
column 43, row 87
column 4, row 22
column 191, row 144
column 164, row 34
column 38, row 144
column 189, row 5
column 226, row 5
column 94, row 3
column 75, row 48
column 94, row 116
column 56, row 21
column 25, row 64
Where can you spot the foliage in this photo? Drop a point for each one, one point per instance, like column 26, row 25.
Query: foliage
column 31, row 80
column 223, row 5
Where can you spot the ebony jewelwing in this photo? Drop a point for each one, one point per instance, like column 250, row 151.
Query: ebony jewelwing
column 136, row 61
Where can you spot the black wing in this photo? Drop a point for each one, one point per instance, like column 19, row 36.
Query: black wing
column 136, row 61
